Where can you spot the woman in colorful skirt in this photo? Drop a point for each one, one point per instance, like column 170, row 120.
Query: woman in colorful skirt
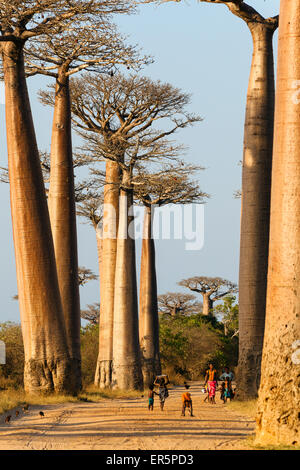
column 211, row 379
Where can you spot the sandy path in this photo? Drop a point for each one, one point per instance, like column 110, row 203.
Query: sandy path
column 127, row 424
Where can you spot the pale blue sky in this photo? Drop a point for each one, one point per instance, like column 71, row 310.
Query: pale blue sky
column 206, row 51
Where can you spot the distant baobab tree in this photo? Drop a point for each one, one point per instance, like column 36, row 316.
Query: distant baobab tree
column 176, row 303
column 91, row 313
column 85, row 275
column 212, row 289
column 48, row 363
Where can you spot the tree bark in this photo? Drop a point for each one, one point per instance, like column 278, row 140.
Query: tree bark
column 207, row 305
column 47, row 362
column 127, row 373
column 279, row 394
column 61, row 202
column 148, row 317
column 103, row 374
column 256, row 188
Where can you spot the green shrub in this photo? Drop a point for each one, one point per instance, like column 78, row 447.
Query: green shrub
column 89, row 352
column 189, row 343
column 11, row 373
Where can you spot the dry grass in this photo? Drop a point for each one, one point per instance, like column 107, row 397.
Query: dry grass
column 251, row 443
column 247, row 408
column 94, row 394
column 12, row 398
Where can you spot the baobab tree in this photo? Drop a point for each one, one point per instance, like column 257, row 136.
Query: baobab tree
column 78, row 47
column 92, row 209
column 48, row 365
column 176, row 303
column 85, row 275
column 279, row 393
column 121, row 112
column 170, row 184
column 212, row 289
column 256, row 190
column 91, row 313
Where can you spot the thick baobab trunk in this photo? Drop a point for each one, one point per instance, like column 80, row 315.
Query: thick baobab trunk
column 148, row 317
column 47, row 362
column 62, row 211
column 127, row 373
column 256, row 187
column 278, row 419
column 207, row 305
column 103, row 375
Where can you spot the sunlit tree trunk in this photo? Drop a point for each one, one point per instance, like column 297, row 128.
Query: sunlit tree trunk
column 279, row 394
column 47, row 362
column 207, row 305
column 103, row 375
column 148, row 316
column 62, row 210
column 256, row 187
column 127, row 373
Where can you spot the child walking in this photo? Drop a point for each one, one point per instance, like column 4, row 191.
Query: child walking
column 228, row 391
column 187, row 401
column 151, row 394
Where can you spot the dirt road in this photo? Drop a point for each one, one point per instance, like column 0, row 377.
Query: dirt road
column 125, row 425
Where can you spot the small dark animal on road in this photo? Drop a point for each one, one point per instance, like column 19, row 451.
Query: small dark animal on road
column 17, row 413
column 26, row 407
column 7, row 419
column 41, row 414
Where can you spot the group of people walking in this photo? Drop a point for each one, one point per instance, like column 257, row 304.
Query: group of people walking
column 211, row 386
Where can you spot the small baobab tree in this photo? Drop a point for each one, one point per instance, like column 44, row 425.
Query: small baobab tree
column 85, row 275
column 176, row 303
column 91, row 313
column 279, row 393
column 121, row 112
column 212, row 289
column 48, row 363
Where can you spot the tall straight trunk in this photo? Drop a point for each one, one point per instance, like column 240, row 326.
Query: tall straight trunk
column 256, row 187
column 47, row 361
column 103, row 375
column 207, row 305
column 148, row 317
column 279, row 395
column 127, row 373
column 62, row 211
